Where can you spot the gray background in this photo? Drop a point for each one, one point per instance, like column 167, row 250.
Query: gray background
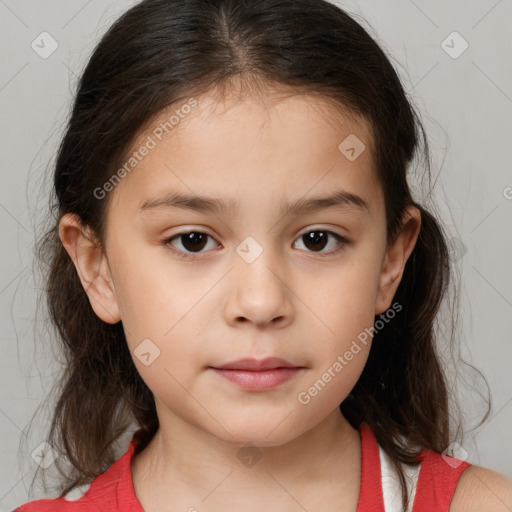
column 466, row 104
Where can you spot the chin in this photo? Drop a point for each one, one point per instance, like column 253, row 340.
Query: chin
column 263, row 434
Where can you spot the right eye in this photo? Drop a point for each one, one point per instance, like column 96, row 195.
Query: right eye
column 191, row 241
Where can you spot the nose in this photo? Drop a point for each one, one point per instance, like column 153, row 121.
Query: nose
column 260, row 293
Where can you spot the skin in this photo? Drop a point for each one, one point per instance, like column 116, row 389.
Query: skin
column 214, row 307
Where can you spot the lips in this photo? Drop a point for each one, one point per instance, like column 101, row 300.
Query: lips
column 255, row 365
column 258, row 374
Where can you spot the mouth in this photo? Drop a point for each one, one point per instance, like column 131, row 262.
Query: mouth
column 251, row 364
column 258, row 375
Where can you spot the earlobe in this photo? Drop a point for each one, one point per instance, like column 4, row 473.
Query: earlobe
column 397, row 254
column 92, row 267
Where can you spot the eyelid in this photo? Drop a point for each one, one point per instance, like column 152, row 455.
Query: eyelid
column 315, row 227
column 342, row 242
column 167, row 242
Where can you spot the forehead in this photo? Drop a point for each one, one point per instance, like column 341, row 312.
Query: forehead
column 273, row 144
column 265, row 115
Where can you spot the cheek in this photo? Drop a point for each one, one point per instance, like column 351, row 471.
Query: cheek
column 344, row 298
column 336, row 373
column 159, row 312
column 343, row 303
column 152, row 296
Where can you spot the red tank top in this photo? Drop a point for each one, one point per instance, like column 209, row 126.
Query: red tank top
column 113, row 490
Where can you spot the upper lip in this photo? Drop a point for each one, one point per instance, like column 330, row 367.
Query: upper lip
column 252, row 364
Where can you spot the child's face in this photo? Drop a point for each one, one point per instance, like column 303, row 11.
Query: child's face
column 255, row 287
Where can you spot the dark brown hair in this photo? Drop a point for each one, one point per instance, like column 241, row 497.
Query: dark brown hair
column 161, row 52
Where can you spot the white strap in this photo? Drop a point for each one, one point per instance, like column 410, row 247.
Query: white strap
column 77, row 492
column 391, row 489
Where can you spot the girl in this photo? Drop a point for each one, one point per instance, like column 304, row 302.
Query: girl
column 238, row 270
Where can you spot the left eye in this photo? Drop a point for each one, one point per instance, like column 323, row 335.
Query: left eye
column 319, row 238
column 315, row 240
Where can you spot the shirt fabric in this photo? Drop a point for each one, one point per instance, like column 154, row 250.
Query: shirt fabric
column 113, row 490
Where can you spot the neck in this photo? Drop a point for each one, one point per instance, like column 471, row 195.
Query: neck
column 182, row 460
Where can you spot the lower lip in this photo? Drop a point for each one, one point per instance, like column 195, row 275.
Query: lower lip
column 260, row 380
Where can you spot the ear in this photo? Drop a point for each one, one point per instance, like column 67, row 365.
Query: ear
column 397, row 254
column 92, row 267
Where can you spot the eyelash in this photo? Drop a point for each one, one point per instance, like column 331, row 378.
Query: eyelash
column 342, row 242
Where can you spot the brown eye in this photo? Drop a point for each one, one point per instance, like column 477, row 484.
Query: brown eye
column 191, row 242
column 316, row 240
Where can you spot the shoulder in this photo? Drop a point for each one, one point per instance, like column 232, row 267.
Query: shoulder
column 76, row 500
column 111, row 490
column 44, row 505
column 482, row 489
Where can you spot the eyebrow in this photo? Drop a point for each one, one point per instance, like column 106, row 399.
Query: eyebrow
column 340, row 199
